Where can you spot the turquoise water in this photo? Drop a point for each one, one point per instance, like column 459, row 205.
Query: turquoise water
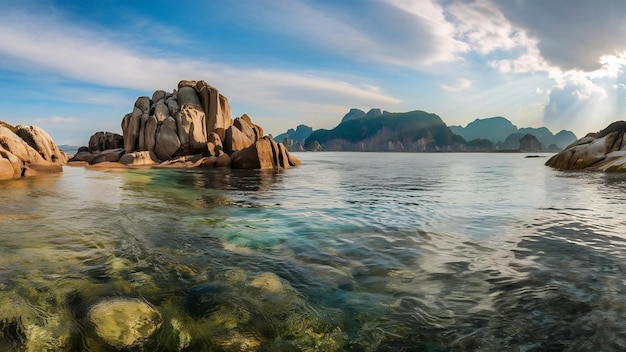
column 349, row 252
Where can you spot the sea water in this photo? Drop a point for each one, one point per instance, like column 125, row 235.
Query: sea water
column 349, row 252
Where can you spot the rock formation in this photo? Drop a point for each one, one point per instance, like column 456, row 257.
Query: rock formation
column 124, row 322
column 530, row 143
column 195, row 119
column 28, row 151
column 602, row 151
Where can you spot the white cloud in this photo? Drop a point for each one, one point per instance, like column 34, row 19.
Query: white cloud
column 484, row 27
column 49, row 46
column 571, row 34
column 435, row 29
column 57, row 120
column 456, row 86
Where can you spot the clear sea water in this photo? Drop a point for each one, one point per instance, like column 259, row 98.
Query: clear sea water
column 359, row 252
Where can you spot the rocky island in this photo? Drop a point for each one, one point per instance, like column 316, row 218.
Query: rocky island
column 188, row 127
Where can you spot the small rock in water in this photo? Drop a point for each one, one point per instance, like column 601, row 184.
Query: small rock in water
column 268, row 282
column 124, row 322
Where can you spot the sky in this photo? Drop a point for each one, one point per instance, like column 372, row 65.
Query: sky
column 77, row 67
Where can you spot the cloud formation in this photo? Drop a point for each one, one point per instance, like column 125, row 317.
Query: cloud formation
column 49, row 46
column 571, row 34
column 308, row 58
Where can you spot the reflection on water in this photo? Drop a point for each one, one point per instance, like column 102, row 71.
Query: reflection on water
column 350, row 252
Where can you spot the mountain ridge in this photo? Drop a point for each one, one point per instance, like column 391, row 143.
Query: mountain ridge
column 482, row 134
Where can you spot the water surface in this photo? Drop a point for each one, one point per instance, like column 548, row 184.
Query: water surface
column 349, row 252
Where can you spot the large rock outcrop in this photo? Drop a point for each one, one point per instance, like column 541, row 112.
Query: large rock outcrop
column 28, row 151
column 602, row 151
column 194, row 119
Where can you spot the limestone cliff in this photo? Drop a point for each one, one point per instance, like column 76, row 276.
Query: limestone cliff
column 415, row 131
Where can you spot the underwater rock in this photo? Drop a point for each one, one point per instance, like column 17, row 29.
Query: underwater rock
column 124, row 322
column 23, row 329
column 268, row 282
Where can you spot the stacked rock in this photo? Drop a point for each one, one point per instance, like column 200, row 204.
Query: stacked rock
column 192, row 120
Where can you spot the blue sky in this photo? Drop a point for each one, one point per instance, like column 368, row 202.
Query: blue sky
column 76, row 67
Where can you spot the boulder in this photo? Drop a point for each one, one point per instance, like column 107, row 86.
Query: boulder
column 37, row 154
column 214, row 145
column 124, row 322
column 84, row 156
column 39, row 140
column 6, row 169
column 100, row 141
column 158, row 95
column 259, row 155
column 172, row 105
column 110, row 155
column 131, row 124
column 149, row 133
column 246, row 128
column 188, row 96
column 258, row 131
column 143, row 104
column 186, row 83
column 208, row 162
column 167, row 142
column 215, row 107
column 191, row 128
column 602, row 151
column 161, row 111
column 223, row 160
column 236, row 140
column 283, row 156
column 293, row 161
column 144, row 158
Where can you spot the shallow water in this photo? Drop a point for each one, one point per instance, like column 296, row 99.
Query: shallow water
column 350, row 251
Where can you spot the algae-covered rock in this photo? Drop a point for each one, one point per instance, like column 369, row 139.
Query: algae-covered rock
column 268, row 282
column 26, row 328
column 124, row 322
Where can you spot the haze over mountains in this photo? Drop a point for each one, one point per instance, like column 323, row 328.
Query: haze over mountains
column 417, row 130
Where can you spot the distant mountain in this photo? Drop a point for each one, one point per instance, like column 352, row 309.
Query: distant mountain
column 564, row 138
column 506, row 136
column 414, row 131
column 293, row 140
column 70, row 149
column 495, row 129
column 301, row 133
column 352, row 115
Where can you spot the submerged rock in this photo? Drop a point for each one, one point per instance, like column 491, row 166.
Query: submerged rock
column 602, row 151
column 124, row 322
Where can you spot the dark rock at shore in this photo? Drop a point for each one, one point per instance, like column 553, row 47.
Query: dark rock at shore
column 602, row 151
